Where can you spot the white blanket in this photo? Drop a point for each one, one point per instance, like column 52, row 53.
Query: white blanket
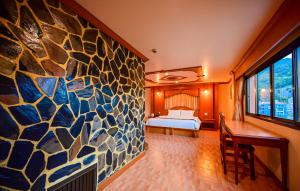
column 181, row 122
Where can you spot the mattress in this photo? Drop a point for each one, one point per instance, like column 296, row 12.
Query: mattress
column 192, row 123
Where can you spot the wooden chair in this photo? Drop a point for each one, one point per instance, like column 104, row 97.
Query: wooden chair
column 227, row 149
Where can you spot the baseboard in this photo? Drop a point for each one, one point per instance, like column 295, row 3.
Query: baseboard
column 268, row 171
column 110, row 179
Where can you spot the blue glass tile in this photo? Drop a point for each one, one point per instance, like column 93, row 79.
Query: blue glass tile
column 4, row 148
column 108, row 157
column 35, row 166
column 101, row 112
column 85, row 136
column 101, row 176
column 115, row 101
column 61, row 96
column 49, row 143
column 20, row 154
column 46, row 108
column 76, row 128
column 89, row 160
column 63, row 117
column 13, row 179
column 9, row 129
column 99, row 97
column 108, row 108
column 8, row 91
column 114, row 87
column 84, row 108
column 87, row 80
column 64, row 137
column 28, row 90
column 86, row 92
column 57, row 160
column 93, row 104
column 74, row 102
column 85, row 151
column 47, row 85
column 65, row 171
column 90, row 116
column 35, row 132
column 107, row 98
column 106, row 89
column 111, row 120
column 25, row 114
column 99, row 137
column 112, row 131
column 125, row 109
column 39, row 184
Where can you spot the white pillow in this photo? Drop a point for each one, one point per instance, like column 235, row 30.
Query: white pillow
column 174, row 113
column 187, row 113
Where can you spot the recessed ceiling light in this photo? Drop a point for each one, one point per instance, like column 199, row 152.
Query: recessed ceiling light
column 176, row 82
column 166, row 73
column 154, row 50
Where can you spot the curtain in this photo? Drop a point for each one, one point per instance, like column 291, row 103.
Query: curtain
column 238, row 95
column 181, row 100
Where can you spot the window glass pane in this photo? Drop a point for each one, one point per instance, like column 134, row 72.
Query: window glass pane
column 263, row 92
column 251, row 94
column 283, row 88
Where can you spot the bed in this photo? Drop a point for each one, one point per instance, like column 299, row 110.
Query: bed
column 179, row 121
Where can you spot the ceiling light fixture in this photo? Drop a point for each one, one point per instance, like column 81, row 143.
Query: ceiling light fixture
column 166, row 73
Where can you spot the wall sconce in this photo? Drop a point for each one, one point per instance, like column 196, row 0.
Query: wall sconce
column 205, row 91
column 158, row 93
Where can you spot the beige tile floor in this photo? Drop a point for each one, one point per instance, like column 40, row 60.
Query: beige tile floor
column 176, row 163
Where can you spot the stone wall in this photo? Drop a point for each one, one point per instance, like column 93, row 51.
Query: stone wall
column 70, row 97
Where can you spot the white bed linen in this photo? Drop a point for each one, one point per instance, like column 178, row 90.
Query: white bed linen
column 181, row 122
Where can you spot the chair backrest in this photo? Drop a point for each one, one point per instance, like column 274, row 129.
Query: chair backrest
column 222, row 123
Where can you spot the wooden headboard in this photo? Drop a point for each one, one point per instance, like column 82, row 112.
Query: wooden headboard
column 185, row 108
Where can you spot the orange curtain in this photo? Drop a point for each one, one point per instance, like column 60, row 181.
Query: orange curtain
column 239, row 94
column 181, row 100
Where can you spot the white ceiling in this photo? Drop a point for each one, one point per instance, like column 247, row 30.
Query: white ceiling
column 186, row 33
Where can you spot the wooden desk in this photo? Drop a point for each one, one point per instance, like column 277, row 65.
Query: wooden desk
column 246, row 133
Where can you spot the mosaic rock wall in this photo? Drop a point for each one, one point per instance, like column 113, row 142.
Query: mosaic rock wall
column 70, row 96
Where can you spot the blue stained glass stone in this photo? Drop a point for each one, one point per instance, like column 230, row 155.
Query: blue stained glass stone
column 57, row 160
column 93, row 104
column 90, row 116
column 85, row 151
column 101, row 112
column 64, row 137
column 61, row 96
column 35, row 132
column 89, row 159
column 4, row 148
column 108, row 157
column 13, row 179
column 106, row 89
column 20, row 154
column 74, row 102
column 108, row 108
column 86, row 92
column 49, row 143
column 111, row 120
column 87, row 80
column 99, row 97
column 115, row 101
column 63, row 117
column 28, row 90
column 85, row 136
column 47, row 85
column 101, row 176
column 39, row 184
column 46, row 108
column 76, row 128
column 9, row 129
column 125, row 109
column 65, row 171
column 84, row 108
column 35, row 166
column 25, row 114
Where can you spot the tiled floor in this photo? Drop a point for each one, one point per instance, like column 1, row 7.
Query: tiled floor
column 179, row 163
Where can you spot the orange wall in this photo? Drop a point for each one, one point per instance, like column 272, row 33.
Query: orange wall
column 274, row 37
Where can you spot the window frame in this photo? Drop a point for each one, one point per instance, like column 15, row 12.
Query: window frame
column 291, row 48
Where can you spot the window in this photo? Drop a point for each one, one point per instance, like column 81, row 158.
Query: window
column 273, row 90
